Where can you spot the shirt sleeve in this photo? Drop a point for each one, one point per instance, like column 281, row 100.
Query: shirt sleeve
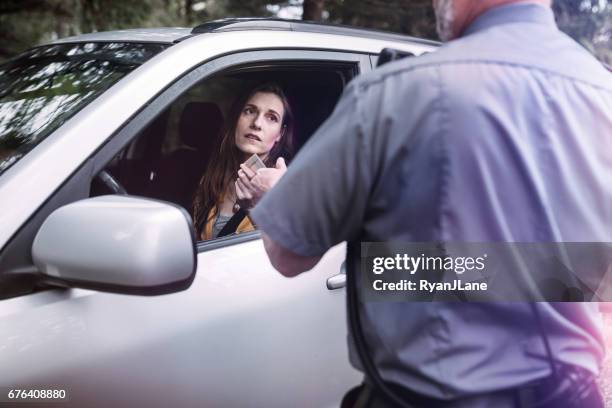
column 322, row 198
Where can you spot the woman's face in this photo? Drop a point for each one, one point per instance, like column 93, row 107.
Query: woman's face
column 260, row 124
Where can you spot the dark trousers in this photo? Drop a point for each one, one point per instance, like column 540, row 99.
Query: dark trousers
column 367, row 397
column 573, row 388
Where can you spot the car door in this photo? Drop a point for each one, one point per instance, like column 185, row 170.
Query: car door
column 275, row 341
column 241, row 335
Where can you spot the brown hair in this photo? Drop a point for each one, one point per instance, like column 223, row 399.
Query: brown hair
column 225, row 164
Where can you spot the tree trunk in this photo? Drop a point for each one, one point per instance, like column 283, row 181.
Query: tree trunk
column 313, row 10
column 188, row 12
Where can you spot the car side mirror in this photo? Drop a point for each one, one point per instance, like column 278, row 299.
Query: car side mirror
column 118, row 244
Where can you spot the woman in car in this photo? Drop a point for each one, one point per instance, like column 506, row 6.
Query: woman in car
column 261, row 123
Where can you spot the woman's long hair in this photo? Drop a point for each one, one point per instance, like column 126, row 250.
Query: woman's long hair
column 224, row 165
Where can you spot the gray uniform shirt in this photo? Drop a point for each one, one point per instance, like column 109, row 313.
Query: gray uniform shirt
column 502, row 135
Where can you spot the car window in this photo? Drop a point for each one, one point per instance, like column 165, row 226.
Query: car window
column 45, row 86
column 170, row 156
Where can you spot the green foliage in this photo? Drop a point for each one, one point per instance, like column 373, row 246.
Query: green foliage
column 25, row 23
column 589, row 22
column 102, row 15
column 412, row 17
column 17, row 32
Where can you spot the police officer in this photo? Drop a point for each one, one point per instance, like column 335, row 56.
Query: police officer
column 503, row 134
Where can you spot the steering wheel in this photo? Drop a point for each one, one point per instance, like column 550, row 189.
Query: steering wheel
column 111, row 182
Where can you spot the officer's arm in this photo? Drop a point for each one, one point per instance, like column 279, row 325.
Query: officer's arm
column 288, row 263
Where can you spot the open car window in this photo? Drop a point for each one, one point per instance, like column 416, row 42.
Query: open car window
column 170, row 155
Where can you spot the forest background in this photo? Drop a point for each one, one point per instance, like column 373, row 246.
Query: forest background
column 26, row 23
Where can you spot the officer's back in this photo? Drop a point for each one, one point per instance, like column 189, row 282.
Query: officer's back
column 502, row 135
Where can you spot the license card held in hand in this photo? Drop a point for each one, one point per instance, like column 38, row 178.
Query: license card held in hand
column 254, row 163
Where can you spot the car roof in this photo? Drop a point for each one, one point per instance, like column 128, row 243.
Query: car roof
column 155, row 35
column 171, row 35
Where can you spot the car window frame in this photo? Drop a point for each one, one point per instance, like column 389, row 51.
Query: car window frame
column 16, row 252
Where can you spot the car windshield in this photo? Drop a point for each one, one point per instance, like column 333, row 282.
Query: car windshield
column 44, row 87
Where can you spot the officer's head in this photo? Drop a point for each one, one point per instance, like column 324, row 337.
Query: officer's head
column 453, row 16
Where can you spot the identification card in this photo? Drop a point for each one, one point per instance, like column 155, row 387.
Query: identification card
column 254, row 163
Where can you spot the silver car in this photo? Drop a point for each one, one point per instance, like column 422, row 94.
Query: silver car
column 107, row 297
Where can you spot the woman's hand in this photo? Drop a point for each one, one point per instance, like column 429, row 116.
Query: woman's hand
column 251, row 186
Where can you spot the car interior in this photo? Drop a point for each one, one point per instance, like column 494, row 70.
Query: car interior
column 169, row 156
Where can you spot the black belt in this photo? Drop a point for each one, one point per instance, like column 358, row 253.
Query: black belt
column 574, row 387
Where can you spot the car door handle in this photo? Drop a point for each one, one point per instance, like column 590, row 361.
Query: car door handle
column 337, row 281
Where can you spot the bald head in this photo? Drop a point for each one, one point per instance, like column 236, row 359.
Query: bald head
column 453, row 16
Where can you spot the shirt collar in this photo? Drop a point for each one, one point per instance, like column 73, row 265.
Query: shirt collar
column 512, row 13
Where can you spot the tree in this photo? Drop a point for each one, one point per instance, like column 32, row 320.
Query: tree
column 61, row 18
column 313, row 10
column 412, row 17
column 587, row 21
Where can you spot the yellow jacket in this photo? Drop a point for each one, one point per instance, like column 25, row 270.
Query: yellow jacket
column 245, row 225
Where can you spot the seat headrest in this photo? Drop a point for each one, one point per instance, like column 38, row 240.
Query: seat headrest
column 200, row 123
